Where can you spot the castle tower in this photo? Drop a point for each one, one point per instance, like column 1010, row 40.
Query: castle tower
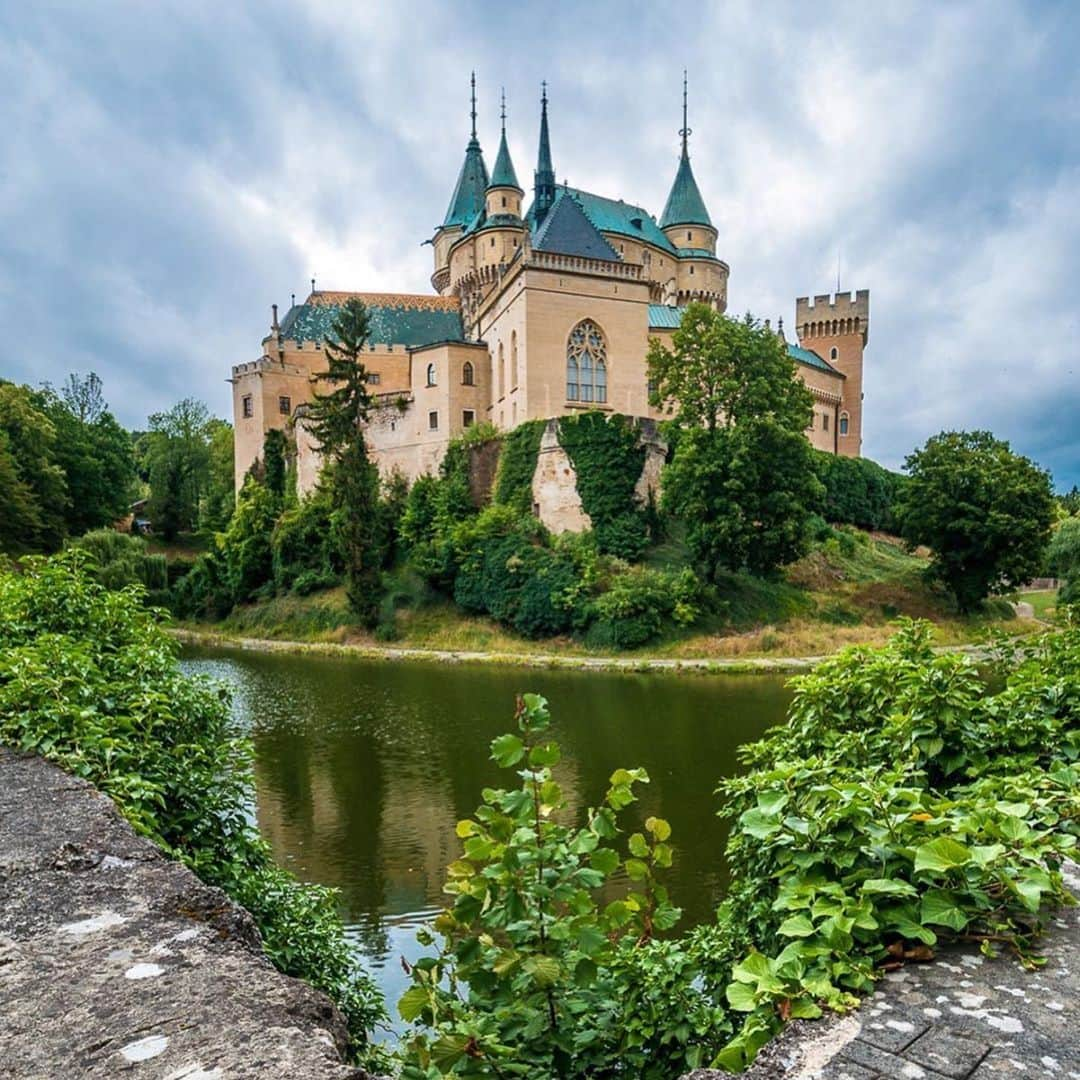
column 504, row 193
column 544, row 177
column 838, row 330
column 465, row 204
column 685, row 220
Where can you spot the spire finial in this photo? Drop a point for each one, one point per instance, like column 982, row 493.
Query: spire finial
column 685, row 130
column 543, row 93
column 473, row 99
column 502, row 110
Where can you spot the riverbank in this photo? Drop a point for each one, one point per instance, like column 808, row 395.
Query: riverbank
column 701, row 665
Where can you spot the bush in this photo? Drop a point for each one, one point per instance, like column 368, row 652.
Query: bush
column 303, row 553
column 89, row 680
column 637, row 605
column 858, row 491
column 117, row 560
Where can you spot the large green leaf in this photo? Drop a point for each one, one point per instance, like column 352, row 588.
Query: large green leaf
column 507, row 750
column 941, row 855
column 940, row 908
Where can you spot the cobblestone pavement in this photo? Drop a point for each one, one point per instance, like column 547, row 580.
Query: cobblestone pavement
column 962, row 1017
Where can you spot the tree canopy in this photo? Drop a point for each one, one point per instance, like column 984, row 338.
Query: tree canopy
column 984, row 512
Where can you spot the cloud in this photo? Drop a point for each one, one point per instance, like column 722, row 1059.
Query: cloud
column 168, row 172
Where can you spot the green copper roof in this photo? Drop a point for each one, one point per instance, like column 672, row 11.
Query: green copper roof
column 612, row 215
column 394, row 319
column 685, row 206
column 567, row 231
column 468, row 197
column 811, row 359
column 695, row 253
column 503, row 174
column 663, row 317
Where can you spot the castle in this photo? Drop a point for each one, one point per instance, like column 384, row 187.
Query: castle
column 536, row 313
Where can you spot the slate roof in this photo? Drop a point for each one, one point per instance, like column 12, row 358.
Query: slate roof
column 568, row 231
column 468, row 197
column 614, row 215
column 395, row 318
column 664, row 317
column 811, row 359
column 695, row 253
column 685, row 206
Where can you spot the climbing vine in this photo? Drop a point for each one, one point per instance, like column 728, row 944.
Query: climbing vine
column 517, row 463
column 608, row 457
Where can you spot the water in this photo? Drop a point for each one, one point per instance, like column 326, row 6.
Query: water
column 363, row 769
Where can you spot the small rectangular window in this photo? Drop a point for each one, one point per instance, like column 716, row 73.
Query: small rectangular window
column 433, row 421
column 374, row 378
column 825, row 421
column 284, row 405
column 468, row 417
column 248, row 405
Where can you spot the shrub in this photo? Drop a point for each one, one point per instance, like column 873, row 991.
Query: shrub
column 89, row 680
column 117, row 560
column 304, row 556
column 858, row 491
column 637, row 605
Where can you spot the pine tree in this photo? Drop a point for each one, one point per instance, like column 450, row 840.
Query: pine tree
column 334, row 420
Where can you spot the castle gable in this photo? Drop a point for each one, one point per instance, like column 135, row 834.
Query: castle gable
column 567, row 231
column 395, row 318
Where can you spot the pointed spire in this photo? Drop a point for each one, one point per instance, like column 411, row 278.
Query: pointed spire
column 685, row 206
column 544, row 180
column 468, row 198
column 503, row 175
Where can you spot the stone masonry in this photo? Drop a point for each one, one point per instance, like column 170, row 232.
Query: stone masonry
column 117, row 961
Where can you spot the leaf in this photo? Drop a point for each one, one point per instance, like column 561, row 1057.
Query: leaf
column 659, row 828
column 888, row 887
column 507, row 750
column 543, row 969
column 544, row 756
column 939, row 907
column 805, row 1009
column 466, row 828
column 797, row 926
column 638, row 846
column 741, row 997
column 636, row 870
column 413, row 1002
column 449, row 1050
column 604, row 860
column 941, row 855
column 759, row 824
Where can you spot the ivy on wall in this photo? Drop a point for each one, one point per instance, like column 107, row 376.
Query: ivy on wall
column 517, row 463
column 608, row 457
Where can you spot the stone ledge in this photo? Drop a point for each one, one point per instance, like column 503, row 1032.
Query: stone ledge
column 961, row 1017
column 117, row 960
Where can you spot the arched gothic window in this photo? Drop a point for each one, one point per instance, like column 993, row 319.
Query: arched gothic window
column 834, row 353
column 467, row 378
column 843, row 423
column 586, row 364
column 431, row 375
column 513, row 360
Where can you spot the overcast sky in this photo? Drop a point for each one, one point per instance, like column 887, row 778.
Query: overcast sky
column 169, row 170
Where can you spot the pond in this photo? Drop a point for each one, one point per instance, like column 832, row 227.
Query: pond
column 363, row 769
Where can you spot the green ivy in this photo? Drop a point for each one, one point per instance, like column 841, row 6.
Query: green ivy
column 517, row 464
column 608, row 457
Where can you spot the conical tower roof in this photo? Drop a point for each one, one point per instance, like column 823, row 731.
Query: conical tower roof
column 468, row 198
column 684, row 205
column 503, row 174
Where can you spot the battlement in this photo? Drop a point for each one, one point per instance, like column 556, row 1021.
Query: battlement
column 830, row 316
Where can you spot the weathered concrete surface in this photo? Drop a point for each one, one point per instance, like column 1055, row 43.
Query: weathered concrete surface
column 962, row 1017
column 116, row 961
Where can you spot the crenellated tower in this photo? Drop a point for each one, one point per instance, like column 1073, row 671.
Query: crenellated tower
column 837, row 328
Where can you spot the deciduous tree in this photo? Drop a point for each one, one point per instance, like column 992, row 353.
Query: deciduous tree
column 984, row 512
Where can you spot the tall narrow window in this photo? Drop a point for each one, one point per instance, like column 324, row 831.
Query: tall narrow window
column 843, row 423
column 513, row 360
column 586, row 364
column 284, row 405
column 467, row 378
column 248, row 405
column 834, row 353
column 431, row 381
column 502, row 371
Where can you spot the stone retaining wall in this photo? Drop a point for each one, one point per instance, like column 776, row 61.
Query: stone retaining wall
column 117, row 961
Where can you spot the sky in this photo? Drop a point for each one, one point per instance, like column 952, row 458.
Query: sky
column 168, row 170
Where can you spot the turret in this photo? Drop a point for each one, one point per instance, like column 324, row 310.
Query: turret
column 544, row 181
column 504, row 193
column 465, row 204
column 685, row 221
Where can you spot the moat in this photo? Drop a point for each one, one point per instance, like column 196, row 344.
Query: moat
column 364, row 768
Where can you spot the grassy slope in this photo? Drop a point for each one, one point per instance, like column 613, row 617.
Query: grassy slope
column 829, row 599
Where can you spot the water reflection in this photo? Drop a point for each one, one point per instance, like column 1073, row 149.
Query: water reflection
column 363, row 769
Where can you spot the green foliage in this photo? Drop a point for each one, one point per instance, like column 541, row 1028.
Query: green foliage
column 304, row 555
column 984, row 512
column 335, row 419
column 89, row 680
column 176, row 457
column 1063, row 558
column 903, row 805
column 219, row 497
column 275, row 449
column 637, row 605
column 746, row 494
column 722, row 371
column 608, row 457
column 117, row 560
column 393, row 500
column 245, row 546
column 34, row 485
column 543, row 969
column 517, row 463
column 858, row 491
